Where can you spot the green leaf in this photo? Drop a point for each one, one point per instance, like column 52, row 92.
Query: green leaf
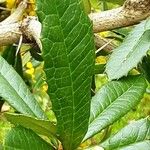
column 113, row 101
column 144, row 67
column 130, row 53
column 145, row 145
column 19, row 138
column 99, row 68
column 16, row 93
column 68, row 52
column 36, row 53
column 43, row 127
column 87, row 6
column 18, row 64
column 130, row 136
column 9, row 54
column 95, row 4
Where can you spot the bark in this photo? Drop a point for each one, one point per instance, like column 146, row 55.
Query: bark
column 10, row 33
column 132, row 12
column 11, row 29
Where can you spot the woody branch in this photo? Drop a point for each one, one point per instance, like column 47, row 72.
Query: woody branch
column 132, row 12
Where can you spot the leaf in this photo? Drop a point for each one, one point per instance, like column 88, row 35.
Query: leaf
column 9, row 54
column 99, row 68
column 43, row 127
column 68, row 52
column 16, row 93
column 94, row 148
column 36, row 53
column 113, row 101
column 18, row 64
column 144, row 67
column 130, row 53
column 19, row 138
column 136, row 133
column 87, row 6
column 145, row 145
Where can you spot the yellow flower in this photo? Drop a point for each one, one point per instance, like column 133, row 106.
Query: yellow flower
column 30, row 71
column 32, row 13
column 32, row 1
column 31, row 8
column 29, row 65
column 10, row 3
column 45, row 88
column 101, row 60
column 104, row 34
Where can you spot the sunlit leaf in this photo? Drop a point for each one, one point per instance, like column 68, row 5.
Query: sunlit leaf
column 130, row 53
column 113, row 101
column 15, row 92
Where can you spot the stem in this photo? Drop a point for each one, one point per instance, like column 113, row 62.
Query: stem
column 132, row 12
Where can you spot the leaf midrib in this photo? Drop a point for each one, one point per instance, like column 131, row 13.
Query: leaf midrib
column 41, row 126
column 126, row 145
column 131, row 52
column 119, row 146
column 73, row 113
column 112, row 103
column 17, row 93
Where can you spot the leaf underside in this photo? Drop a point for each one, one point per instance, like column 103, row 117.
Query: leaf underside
column 15, row 92
column 130, row 53
column 43, row 127
column 19, row 138
column 136, row 136
column 145, row 145
column 68, row 52
column 113, row 101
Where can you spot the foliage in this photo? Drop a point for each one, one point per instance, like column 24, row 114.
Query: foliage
column 137, row 131
column 24, row 139
column 116, row 97
column 124, row 56
column 57, row 101
column 68, row 67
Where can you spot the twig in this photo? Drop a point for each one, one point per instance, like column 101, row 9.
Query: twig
column 11, row 29
column 104, row 46
column 132, row 12
column 31, row 28
column 15, row 17
column 9, row 33
column 6, row 9
column 102, row 43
